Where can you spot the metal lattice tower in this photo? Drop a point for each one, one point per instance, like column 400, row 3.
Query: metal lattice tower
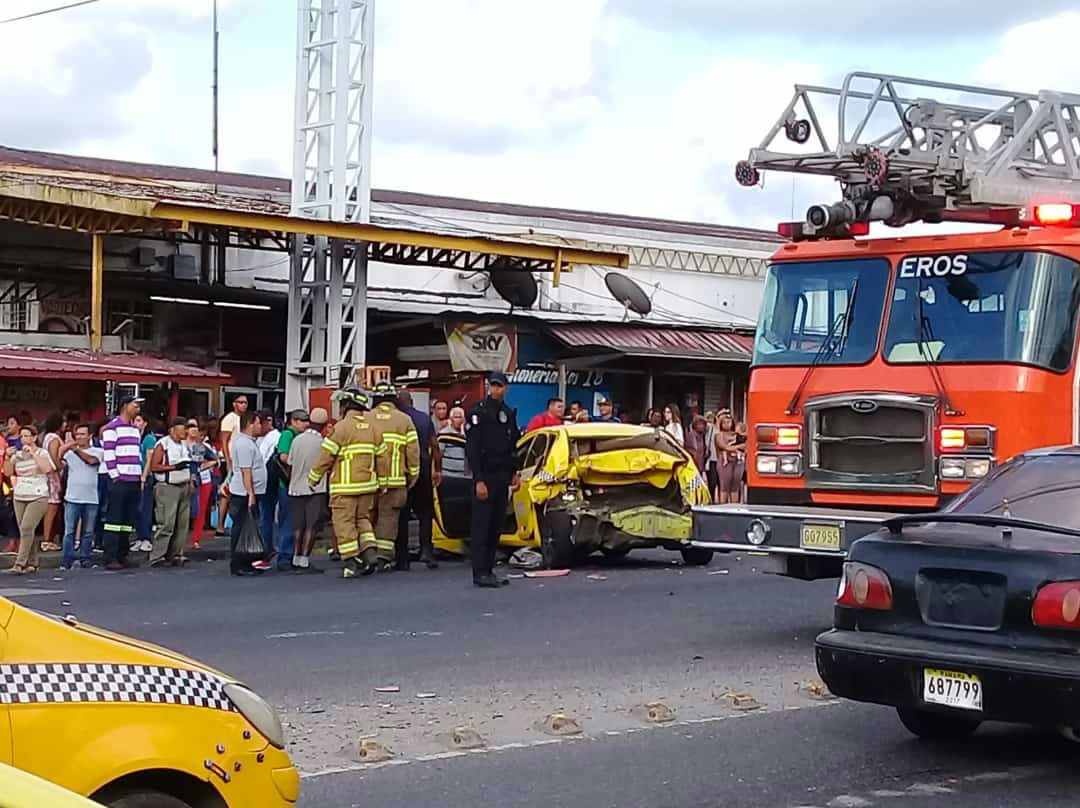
column 928, row 144
column 331, row 181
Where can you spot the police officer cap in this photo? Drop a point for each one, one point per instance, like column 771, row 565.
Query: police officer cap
column 499, row 378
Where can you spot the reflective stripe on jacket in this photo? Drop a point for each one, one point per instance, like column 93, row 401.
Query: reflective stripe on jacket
column 399, row 462
column 349, row 454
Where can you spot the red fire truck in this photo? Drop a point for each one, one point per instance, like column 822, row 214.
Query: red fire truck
column 891, row 373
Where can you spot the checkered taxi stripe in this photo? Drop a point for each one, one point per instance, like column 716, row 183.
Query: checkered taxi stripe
column 85, row 683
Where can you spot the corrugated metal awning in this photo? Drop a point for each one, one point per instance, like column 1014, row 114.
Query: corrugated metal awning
column 633, row 340
column 65, row 363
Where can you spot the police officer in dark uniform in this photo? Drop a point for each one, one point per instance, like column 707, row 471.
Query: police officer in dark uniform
column 491, row 436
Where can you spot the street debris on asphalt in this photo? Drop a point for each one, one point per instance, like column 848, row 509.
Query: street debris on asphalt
column 740, row 700
column 526, row 559
column 370, row 750
column 560, row 725
column 655, row 712
column 462, row 738
column 547, row 573
column 388, row 689
column 816, row 689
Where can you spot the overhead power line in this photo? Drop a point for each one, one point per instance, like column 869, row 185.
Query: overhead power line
column 45, row 11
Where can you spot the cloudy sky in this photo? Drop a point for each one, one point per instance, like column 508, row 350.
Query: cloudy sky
column 630, row 106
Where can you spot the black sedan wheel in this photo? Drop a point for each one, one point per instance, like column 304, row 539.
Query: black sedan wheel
column 937, row 726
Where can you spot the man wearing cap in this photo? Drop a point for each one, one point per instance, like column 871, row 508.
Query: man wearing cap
column 123, row 459
column 491, row 436
column 307, row 502
column 298, row 424
column 607, row 414
column 349, row 455
column 398, row 466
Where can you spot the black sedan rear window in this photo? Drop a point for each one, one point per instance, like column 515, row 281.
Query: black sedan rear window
column 1043, row 488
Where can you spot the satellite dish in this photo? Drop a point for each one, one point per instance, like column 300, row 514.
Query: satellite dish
column 627, row 291
column 517, row 288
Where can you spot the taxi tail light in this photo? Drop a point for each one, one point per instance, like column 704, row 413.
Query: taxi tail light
column 964, row 437
column 1057, row 605
column 788, row 436
column 864, row 587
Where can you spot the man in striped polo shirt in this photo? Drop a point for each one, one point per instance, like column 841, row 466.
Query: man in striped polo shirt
column 124, row 461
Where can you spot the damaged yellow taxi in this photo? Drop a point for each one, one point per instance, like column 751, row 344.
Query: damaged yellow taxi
column 585, row 488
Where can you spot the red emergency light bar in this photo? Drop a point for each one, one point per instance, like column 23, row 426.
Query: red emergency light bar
column 796, row 231
column 1061, row 214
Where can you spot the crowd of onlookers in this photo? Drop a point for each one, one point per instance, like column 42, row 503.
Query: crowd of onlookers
column 55, row 485
column 715, row 440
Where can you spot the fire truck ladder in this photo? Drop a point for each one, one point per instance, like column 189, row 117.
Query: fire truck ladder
column 906, row 149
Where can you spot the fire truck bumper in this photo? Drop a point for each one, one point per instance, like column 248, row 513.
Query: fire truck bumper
column 798, row 542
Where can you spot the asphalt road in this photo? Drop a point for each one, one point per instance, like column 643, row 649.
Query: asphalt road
column 726, row 650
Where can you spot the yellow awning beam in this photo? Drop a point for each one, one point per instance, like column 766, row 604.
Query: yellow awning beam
column 216, row 217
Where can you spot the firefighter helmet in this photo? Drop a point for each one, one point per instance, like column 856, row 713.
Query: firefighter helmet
column 383, row 391
column 353, row 398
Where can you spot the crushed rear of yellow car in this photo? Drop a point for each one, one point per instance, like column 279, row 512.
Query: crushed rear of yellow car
column 127, row 723
column 586, row 488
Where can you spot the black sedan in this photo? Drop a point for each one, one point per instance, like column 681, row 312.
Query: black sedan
column 971, row 614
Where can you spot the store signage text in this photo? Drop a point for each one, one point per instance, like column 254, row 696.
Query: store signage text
column 574, row 378
column 23, row 393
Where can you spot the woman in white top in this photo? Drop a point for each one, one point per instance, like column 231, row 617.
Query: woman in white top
column 51, row 442
column 30, row 466
column 673, row 423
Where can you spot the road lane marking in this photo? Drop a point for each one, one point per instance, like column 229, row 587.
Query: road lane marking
column 366, row 767
column 292, row 635
column 22, row 591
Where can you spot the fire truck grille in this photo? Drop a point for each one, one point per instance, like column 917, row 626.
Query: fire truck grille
column 871, row 457
column 887, row 447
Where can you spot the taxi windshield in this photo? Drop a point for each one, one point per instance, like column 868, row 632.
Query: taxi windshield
column 1010, row 306
column 824, row 311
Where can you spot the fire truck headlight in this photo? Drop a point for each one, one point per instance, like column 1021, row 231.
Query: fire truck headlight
column 952, row 468
column 975, row 469
column 767, row 464
column 790, row 464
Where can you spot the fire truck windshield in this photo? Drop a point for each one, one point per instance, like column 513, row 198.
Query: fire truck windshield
column 809, row 304
column 1016, row 306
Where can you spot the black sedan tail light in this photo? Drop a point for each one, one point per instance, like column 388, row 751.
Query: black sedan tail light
column 863, row 586
column 1057, row 605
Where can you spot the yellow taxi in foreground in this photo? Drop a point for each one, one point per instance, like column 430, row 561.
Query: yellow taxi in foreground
column 21, row 790
column 585, row 488
column 131, row 725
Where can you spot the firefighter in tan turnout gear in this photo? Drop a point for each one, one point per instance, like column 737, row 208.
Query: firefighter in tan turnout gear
column 398, row 467
column 350, row 454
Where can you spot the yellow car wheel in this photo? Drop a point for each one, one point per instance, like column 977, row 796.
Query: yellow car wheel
column 144, row 799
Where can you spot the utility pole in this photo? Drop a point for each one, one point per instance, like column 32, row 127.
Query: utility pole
column 217, row 35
